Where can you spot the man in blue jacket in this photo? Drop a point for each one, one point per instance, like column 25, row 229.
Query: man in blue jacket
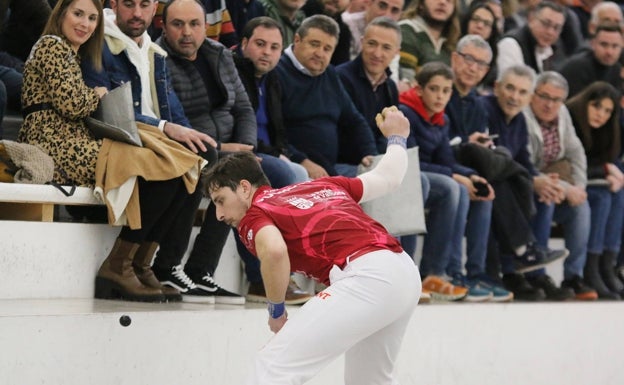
column 206, row 81
column 367, row 80
column 130, row 56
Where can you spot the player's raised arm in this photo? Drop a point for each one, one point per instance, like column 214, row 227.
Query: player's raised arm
column 389, row 172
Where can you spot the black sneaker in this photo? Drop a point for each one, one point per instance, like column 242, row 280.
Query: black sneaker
column 582, row 291
column 207, row 284
column 553, row 293
column 522, row 289
column 619, row 271
column 178, row 279
column 535, row 258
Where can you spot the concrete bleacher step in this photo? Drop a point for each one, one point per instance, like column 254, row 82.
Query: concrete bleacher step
column 81, row 341
column 60, row 260
column 53, row 332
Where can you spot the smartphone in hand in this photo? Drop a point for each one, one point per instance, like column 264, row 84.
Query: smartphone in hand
column 482, row 189
column 484, row 139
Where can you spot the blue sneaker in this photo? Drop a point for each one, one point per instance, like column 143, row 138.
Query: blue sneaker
column 476, row 292
column 499, row 293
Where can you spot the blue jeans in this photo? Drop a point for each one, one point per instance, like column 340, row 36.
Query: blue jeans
column 278, row 171
column 607, row 214
column 446, row 222
column 576, row 227
column 300, row 173
column 345, row 169
column 408, row 242
column 477, row 233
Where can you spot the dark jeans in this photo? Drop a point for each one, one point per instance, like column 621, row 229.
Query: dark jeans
column 160, row 208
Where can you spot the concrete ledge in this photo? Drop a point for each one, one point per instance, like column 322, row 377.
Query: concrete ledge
column 82, row 342
column 36, row 202
column 60, row 260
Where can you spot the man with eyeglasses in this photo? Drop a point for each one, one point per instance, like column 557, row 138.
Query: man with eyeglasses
column 601, row 62
column 560, row 196
column 537, row 43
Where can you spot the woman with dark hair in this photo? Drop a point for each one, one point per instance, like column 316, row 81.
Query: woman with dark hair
column 596, row 114
column 156, row 179
column 479, row 19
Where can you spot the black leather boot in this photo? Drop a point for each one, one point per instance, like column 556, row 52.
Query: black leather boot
column 607, row 272
column 594, row 279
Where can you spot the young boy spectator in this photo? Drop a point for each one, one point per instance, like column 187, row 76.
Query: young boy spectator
column 424, row 108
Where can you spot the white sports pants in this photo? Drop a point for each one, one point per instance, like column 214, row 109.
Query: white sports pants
column 363, row 313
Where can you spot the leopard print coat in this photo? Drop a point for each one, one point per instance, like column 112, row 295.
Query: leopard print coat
column 52, row 75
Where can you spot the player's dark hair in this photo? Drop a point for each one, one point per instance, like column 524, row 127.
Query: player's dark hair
column 231, row 169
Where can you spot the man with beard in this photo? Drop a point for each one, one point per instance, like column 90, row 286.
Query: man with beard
column 601, row 62
column 215, row 101
column 537, row 43
column 430, row 30
column 130, row 56
column 288, row 14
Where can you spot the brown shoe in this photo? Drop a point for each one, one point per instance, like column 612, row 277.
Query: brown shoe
column 116, row 279
column 294, row 294
column 142, row 264
column 442, row 290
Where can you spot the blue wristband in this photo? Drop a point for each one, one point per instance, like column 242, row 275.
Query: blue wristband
column 396, row 139
column 276, row 310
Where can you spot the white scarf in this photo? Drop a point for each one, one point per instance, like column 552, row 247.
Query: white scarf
column 139, row 57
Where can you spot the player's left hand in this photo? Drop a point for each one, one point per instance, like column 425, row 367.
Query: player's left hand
column 276, row 324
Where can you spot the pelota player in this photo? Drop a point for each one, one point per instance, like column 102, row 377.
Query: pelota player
column 318, row 228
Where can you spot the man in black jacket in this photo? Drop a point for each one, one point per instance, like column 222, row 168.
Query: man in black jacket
column 600, row 62
column 536, row 44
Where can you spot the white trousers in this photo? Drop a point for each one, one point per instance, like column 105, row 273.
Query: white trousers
column 363, row 313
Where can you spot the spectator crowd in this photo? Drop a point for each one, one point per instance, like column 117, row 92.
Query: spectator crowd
column 514, row 106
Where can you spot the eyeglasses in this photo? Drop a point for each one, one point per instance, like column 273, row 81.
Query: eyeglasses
column 547, row 24
column 469, row 59
column 486, row 23
column 548, row 98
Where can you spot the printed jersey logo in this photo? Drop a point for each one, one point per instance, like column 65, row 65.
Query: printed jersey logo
column 249, row 235
column 301, row 203
column 323, row 295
